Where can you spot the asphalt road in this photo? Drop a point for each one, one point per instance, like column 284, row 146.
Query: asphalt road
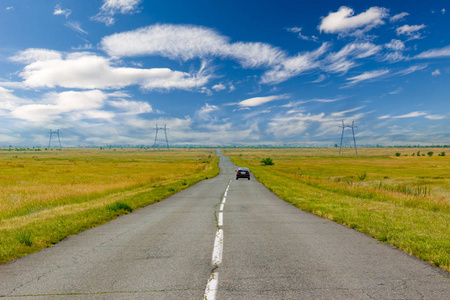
column 224, row 239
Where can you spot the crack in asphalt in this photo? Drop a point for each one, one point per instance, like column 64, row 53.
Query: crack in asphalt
column 211, row 287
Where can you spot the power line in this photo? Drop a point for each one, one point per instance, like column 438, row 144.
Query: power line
column 353, row 131
column 50, row 140
column 165, row 133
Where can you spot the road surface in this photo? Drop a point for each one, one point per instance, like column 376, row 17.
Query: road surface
column 222, row 239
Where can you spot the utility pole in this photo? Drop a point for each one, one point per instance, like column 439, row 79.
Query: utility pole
column 165, row 133
column 50, row 140
column 353, row 131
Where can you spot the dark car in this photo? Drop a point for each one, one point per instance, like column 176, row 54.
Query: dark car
column 243, row 173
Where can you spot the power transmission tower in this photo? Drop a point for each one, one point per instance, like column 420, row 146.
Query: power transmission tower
column 50, row 140
column 353, row 131
column 165, row 133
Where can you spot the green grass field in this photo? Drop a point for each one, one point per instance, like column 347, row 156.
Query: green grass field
column 401, row 200
column 46, row 196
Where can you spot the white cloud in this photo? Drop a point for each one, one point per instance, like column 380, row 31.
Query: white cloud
column 8, row 101
column 256, row 101
column 443, row 11
column 319, row 79
column 397, row 91
column 345, row 23
column 131, row 107
column 89, row 71
column 54, row 105
column 218, row 87
column 398, row 17
column 76, row 26
column 113, row 7
column 187, row 42
column 33, row 55
column 300, row 102
column 10, row 8
column 414, row 114
column 294, row 66
column 436, row 72
column 60, row 11
column 366, row 76
column 410, row 30
column 395, row 45
column 343, row 113
column 344, row 60
column 436, row 117
column 411, row 69
column 298, row 31
column 205, row 112
column 86, row 46
column 292, row 123
column 435, row 53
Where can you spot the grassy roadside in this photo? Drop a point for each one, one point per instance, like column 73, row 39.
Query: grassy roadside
column 51, row 217
column 402, row 201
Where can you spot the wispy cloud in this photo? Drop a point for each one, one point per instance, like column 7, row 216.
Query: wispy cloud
column 436, row 117
column 370, row 75
column 112, row 7
column 301, row 102
column 320, row 79
column 186, row 42
column 298, row 31
column 76, row 26
column 344, row 22
column 257, row 101
column 435, row 53
column 205, row 112
column 411, row 69
column 343, row 113
column 397, row 91
column 35, row 54
column 398, row 17
column 413, row 114
column 343, row 60
column 409, row 29
column 294, row 66
column 60, row 11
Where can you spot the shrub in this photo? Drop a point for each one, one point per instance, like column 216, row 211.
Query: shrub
column 441, row 154
column 119, row 206
column 398, row 154
column 25, row 238
column 267, row 161
column 430, row 153
column 362, row 176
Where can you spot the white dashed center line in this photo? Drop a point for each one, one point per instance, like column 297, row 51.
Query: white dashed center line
column 213, row 282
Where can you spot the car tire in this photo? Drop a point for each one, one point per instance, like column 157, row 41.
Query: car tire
column 237, row 178
column 249, row 178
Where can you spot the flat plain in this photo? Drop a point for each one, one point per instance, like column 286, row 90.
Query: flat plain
column 46, row 196
column 396, row 195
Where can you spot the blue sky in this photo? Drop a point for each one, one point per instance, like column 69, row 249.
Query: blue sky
column 224, row 72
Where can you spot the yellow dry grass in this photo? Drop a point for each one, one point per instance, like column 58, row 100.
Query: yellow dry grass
column 402, row 200
column 46, row 196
